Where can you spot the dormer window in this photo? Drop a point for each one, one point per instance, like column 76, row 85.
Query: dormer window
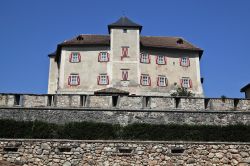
column 179, row 41
column 79, row 38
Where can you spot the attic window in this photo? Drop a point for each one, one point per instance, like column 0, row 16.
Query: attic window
column 79, row 38
column 179, row 41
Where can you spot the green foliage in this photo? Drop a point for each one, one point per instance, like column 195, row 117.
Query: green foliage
column 182, row 92
column 92, row 131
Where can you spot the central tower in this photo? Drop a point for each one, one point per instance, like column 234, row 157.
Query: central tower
column 125, row 50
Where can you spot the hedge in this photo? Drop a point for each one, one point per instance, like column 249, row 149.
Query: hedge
column 105, row 131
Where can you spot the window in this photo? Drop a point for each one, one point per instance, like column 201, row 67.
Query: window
column 145, row 80
column 124, row 52
column 184, row 61
column 145, row 58
column 75, row 57
column 186, row 82
column 74, row 79
column 103, row 57
column 103, row 79
column 124, row 74
column 125, row 30
column 161, row 81
column 161, row 60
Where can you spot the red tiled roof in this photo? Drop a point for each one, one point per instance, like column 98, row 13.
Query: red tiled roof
column 146, row 41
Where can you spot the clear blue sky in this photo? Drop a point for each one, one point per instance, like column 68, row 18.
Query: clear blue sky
column 30, row 30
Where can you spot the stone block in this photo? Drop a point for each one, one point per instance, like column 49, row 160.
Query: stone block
column 162, row 103
column 62, row 100
column 131, row 102
column 34, row 101
column 100, row 101
column 3, row 100
column 191, row 104
column 220, row 104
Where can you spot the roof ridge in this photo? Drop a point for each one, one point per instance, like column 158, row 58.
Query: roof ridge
column 177, row 37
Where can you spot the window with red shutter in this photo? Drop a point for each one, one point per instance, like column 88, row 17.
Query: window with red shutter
column 162, row 81
column 75, row 57
column 103, row 57
column 161, row 60
column 145, row 58
column 184, row 61
column 124, row 74
column 103, row 79
column 124, row 52
column 145, row 80
column 74, row 79
column 186, row 82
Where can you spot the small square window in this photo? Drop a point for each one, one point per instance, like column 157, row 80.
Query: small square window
column 145, row 80
column 74, row 79
column 75, row 57
column 103, row 57
column 186, row 83
column 161, row 60
column 103, row 79
column 184, row 61
column 145, row 58
column 162, row 81
column 125, row 30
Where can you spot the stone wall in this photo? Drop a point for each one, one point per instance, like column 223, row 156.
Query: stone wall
column 125, row 102
column 125, row 117
column 105, row 153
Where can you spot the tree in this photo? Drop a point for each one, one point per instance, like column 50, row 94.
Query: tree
column 181, row 91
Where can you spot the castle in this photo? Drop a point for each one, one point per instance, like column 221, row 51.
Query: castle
column 126, row 61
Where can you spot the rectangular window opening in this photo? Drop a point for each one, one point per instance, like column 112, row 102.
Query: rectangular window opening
column 125, row 150
column 115, row 101
column 82, row 100
column 50, row 100
column 64, row 149
column 236, row 102
column 177, row 151
column 17, row 100
column 206, row 103
column 10, row 149
column 177, row 102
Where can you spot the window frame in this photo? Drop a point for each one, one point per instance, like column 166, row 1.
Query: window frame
column 164, row 78
column 75, row 57
column 145, row 57
column 148, row 80
column 186, row 63
column 100, row 57
column 186, row 82
column 101, row 78
column 163, row 61
column 74, row 79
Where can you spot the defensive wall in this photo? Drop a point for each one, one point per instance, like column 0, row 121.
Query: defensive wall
column 103, row 153
column 124, row 109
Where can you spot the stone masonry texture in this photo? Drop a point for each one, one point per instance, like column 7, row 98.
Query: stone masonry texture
column 123, row 153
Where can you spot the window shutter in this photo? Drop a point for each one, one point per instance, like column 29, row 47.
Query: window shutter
column 149, row 60
column 108, row 56
column 141, row 57
column 180, row 61
column 70, row 57
column 79, row 57
column 190, row 83
column 188, row 61
column 156, row 60
column 141, row 80
column 181, row 82
column 107, row 77
column 149, row 81
column 78, row 80
column 69, row 80
column 165, row 60
column 158, row 81
column 166, row 81
column 99, row 57
column 98, row 80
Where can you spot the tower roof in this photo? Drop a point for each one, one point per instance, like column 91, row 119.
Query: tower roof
column 124, row 22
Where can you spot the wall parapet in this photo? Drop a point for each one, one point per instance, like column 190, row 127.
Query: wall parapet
column 124, row 102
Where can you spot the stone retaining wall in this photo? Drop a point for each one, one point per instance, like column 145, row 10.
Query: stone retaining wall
column 126, row 153
column 124, row 102
column 125, row 117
